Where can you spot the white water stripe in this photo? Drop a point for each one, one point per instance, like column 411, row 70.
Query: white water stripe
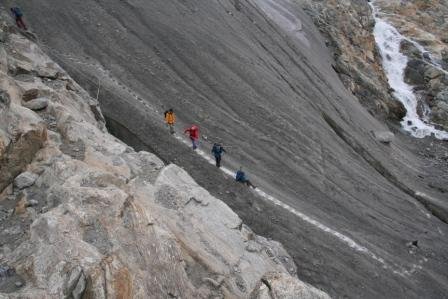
column 394, row 62
column 347, row 240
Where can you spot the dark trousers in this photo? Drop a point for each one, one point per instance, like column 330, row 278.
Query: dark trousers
column 248, row 183
column 194, row 142
column 218, row 160
column 20, row 23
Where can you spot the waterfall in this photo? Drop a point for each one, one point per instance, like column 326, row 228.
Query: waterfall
column 389, row 40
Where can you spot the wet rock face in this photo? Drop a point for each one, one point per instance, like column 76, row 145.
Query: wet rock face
column 85, row 216
column 425, row 23
column 348, row 25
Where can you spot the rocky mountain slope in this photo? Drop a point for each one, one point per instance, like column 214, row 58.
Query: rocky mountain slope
column 346, row 197
column 82, row 215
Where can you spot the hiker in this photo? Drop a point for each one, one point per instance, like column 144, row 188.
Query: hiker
column 193, row 132
column 241, row 177
column 217, row 151
column 18, row 15
column 170, row 119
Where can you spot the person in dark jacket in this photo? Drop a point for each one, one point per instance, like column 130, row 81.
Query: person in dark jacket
column 18, row 15
column 217, row 151
column 241, row 177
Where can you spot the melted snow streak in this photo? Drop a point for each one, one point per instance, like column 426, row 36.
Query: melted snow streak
column 343, row 238
column 388, row 40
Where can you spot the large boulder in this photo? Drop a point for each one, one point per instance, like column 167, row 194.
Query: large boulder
column 27, row 135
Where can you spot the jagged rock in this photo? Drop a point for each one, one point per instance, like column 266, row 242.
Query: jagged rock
column 432, row 73
column 50, row 71
column 3, row 36
column 278, row 285
column 4, row 142
column 442, row 96
column 30, row 94
column 5, row 101
column 37, row 104
column 410, row 50
column 414, row 72
column 26, row 141
column 25, row 180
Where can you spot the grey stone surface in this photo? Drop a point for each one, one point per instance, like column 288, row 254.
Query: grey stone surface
column 25, row 179
column 4, row 100
column 37, row 104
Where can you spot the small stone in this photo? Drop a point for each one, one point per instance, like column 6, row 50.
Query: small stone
column 32, row 203
column 384, row 137
column 37, row 104
column 25, row 179
column 18, row 284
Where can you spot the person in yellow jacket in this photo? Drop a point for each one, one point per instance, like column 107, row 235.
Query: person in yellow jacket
column 170, row 119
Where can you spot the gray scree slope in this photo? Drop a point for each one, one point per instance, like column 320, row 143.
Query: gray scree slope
column 246, row 77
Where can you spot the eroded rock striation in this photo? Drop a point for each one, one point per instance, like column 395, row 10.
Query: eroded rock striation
column 85, row 216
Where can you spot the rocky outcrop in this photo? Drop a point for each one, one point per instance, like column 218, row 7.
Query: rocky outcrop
column 425, row 23
column 88, row 217
column 421, row 20
column 431, row 85
column 348, row 26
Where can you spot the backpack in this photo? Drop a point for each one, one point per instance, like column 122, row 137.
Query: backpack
column 240, row 176
column 17, row 12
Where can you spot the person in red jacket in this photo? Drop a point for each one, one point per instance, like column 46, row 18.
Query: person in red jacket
column 193, row 132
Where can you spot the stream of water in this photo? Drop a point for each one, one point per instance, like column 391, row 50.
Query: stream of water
column 389, row 40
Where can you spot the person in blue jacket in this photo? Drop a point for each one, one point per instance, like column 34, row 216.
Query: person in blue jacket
column 18, row 15
column 218, row 151
column 241, row 177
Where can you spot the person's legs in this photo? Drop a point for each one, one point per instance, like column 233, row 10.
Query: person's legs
column 218, row 161
column 171, row 128
column 18, row 22
column 21, row 23
column 249, row 184
column 195, row 143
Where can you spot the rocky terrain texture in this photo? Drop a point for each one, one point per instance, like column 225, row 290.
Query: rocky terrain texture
column 347, row 27
column 361, row 210
column 426, row 23
column 82, row 215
